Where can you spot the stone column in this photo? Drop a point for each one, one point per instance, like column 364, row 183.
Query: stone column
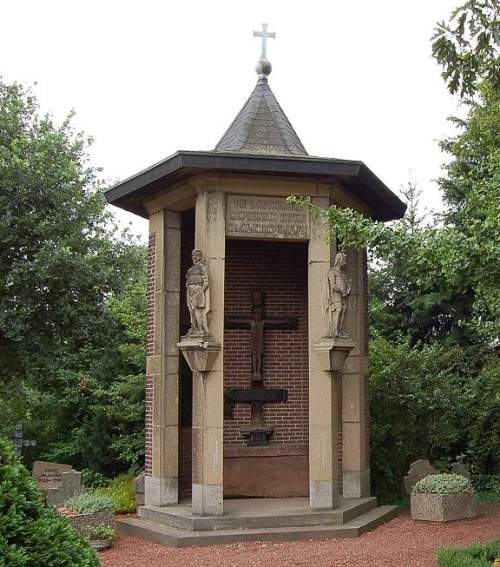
column 206, row 361
column 355, row 433
column 323, row 416
column 162, row 368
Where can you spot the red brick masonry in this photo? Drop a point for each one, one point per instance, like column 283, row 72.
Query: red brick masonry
column 150, row 352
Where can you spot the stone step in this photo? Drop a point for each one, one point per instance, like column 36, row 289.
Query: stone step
column 175, row 537
column 252, row 518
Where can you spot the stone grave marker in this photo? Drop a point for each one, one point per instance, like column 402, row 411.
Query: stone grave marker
column 418, row 470
column 139, row 489
column 71, row 484
column 49, row 475
column 461, row 469
column 19, row 441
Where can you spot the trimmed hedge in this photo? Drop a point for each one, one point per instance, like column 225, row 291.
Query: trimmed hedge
column 31, row 534
column 476, row 555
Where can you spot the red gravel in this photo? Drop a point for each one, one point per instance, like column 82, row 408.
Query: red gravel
column 402, row 542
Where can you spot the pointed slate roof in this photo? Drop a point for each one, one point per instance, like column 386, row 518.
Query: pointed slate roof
column 261, row 127
column 260, row 140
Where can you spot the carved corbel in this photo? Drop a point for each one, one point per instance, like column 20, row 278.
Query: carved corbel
column 333, row 352
column 200, row 353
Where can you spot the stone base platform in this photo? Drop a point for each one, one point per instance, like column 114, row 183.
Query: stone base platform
column 263, row 519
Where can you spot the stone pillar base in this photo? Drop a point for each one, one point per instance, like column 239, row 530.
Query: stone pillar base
column 208, row 499
column 356, row 484
column 160, row 491
column 323, row 495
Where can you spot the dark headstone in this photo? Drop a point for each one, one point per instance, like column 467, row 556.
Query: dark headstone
column 71, row 485
column 418, row 470
column 139, row 489
column 461, row 469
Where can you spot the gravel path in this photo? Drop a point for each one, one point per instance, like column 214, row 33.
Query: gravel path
column 401, row 542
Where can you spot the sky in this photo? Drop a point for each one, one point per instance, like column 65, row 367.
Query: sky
column 355, row 78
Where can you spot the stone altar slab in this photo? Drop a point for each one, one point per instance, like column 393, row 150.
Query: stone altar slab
column 265, row 217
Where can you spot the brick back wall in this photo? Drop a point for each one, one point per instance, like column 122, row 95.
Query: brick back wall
column 279, row 269
column 150, row 352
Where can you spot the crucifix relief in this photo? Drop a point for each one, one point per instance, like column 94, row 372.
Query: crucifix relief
column 257, row 432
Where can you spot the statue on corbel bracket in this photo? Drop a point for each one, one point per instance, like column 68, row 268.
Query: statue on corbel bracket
column 339, row 289
column 197, row 346
column 333, row 349
column 198, row 296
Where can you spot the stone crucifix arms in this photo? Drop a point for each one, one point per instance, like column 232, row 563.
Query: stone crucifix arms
column 339, row 289
column 198, row 295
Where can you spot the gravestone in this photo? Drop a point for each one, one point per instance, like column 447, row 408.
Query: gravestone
column 71, row 484
column 139, row 489
column 461, row 469
column 19, row 441
column 49, row 475
column 418, row 470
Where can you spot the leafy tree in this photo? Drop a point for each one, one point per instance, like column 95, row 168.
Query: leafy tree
column 441, row 281
column 418, row 406
column 435, row 293
column 483, row 425
column 468, row 45
column 72, row 362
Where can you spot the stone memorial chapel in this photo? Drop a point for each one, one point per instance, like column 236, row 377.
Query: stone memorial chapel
column 257, row 421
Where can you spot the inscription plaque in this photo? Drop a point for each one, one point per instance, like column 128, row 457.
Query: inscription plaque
column 265, row 217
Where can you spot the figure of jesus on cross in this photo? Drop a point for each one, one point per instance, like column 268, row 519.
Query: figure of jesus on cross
column 257, row 324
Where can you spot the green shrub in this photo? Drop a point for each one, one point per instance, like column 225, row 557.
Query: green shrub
column 476, row 555
column 99, row 532
column 443, row 484
column 121, row 490
column 93, row 479
column 416, row 408
column 31, row 534
column 90, row 501
column 487, row 488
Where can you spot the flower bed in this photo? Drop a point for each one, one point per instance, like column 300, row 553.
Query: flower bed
column 443, row 498
column 91, row 519
column 89, row 510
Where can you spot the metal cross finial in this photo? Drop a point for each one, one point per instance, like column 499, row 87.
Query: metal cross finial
column 264, row 34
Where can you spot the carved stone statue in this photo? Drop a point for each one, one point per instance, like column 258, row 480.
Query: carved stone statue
column 339, row 289
column 198, row 295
